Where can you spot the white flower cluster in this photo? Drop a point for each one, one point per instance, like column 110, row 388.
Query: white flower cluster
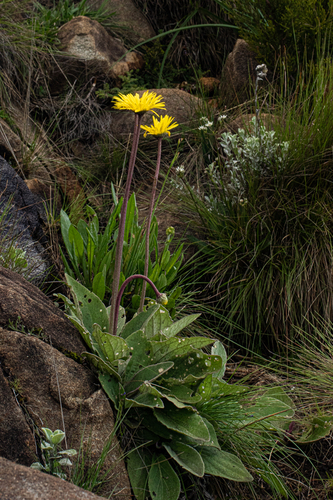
column 262, row 71
column 244, row 151
column 206, row 123
column 180, row 171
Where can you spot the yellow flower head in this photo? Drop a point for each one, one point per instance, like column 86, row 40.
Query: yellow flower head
column 147, row 102
column 160, row 127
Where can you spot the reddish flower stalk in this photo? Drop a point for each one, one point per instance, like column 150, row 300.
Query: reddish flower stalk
column 121, row 232
column 150, row 214
column 161, row 297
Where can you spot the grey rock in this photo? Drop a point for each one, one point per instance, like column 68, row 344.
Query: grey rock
column 59, row 393
column 92, row 48
column 22, row 483
column 22, row 215
column 238, row 74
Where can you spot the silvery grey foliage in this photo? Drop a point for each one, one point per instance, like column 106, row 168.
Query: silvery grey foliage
column 53, row 459
column 244, row 152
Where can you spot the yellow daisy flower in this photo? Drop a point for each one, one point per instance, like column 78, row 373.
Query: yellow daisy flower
column 160, row 127
column 147, row 102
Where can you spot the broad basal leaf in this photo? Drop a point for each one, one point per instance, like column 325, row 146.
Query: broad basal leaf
column 147, row 374
column 101, row 365
column 158, row 322
column 184, row 421
column 139, row 349
column 319, row 428
column 164, row 350
column 163, row 482
column 113, row 347
column 187, row 457
column 219, row 350
column 192, row 367
column 112, row 387
column 266, row 408
column 184, row 393
column 138, row 321
column 144, row 400
column 138, row 463
column 179, row 325
column 92, row 308
column 223, row 464
column 212, row 435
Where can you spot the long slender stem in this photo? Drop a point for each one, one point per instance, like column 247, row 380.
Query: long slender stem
column 150, row 213
column 121, row 291
column 121, row 232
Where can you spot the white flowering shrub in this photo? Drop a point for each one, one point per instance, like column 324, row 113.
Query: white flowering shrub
column 246, row 152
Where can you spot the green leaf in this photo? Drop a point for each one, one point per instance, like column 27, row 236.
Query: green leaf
column 175, row 347
column 82, row 227
column 137, row 467
column 98, row 286
column 219, row 350
column 161, row 283
column 184, row 394
column 65, row 224
column 223, row 464
column 57, row 436
column 267, row 408
column 220, row 388
column 92, row 308
column 112, row 346
column 111, row 387
column 145, row 400
column 86, row 335
column 163, row 482
column 139, row 349
column 121, row 319
column 165, row 258
column 192, row 367
column 130, row 214
column 101, row 365
column 319, row 428
column 213, row 441
column 178, row 326
column 205, row 388
column 147, row 374
column 187, row 457
column 184, row 421
column 279, row 393
column 158, row 322
column 76, row 240
column 138, row 321
column 48, row 433
column 90, row 253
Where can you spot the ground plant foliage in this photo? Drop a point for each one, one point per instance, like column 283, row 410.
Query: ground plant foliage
column 211, row 339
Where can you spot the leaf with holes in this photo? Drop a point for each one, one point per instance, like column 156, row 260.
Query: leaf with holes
column 112, row 346
column 147, row 374
column 191, row 368
column 92, row 308
column 158, row 322
column 174, row 347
